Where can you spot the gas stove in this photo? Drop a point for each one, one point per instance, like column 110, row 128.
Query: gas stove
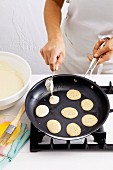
column 101, row 140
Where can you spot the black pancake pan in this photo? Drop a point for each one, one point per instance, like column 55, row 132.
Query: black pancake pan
column 39, row 95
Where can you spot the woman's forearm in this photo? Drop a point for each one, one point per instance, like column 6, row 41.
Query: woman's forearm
column 52, row 16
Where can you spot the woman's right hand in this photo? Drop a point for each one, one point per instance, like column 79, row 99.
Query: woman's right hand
column 53, row 53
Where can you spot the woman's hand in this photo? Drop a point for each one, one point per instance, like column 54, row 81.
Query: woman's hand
column 53, row 53
column 105, row 52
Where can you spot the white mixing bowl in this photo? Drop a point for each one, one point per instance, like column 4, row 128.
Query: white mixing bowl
column 24, row 70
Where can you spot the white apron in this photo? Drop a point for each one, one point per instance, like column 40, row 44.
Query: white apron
column 85, row 21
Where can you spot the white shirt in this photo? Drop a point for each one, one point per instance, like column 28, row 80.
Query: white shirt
column 85, row 21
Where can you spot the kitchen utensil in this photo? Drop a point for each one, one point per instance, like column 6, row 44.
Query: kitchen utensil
column 50, row 84
column 103, row 35
column 10, row 129
column 94, row 61
column 39, row 95
column 5, row 120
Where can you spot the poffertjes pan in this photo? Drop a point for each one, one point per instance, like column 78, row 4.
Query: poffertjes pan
column 38, row 95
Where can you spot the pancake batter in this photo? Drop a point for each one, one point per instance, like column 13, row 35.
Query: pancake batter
column 10, row 81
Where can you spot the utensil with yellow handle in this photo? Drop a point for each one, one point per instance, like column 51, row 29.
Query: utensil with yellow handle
column 12, row 126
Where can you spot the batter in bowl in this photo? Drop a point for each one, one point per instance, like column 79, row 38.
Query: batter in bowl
column 10, row 81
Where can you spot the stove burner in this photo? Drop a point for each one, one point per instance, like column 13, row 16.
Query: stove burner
column 99, row 136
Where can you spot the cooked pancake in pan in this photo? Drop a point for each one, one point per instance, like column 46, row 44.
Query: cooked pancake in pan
column 69, row 112
column 42, row 110
column 87, row 104
column 89, row 120
column 54, row 126
column 73, row 129
column 73, row 94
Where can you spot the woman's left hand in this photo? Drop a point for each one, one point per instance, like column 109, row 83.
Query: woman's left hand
column 105, row 52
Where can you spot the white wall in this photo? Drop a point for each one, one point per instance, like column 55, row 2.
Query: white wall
column 22, row 30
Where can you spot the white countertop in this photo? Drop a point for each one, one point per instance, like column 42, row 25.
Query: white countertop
column 60, row 160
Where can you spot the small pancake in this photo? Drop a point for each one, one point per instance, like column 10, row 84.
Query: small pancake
column 89, row 120
column 54, row 99
column 87, row 104
column 42, row 110
column 73, row 129
column 69, row 112
column 54, row 126
column 73, row 94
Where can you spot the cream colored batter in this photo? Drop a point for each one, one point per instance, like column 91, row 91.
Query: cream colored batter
column 87, row 104
column 69, row 112
column 10, row 81
column 54, row 126
column 42, row 110
column 89, row 120
column 73, row 129
column 54, row 99
column 73, row 94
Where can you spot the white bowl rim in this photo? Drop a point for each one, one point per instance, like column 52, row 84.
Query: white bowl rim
column 26, row 84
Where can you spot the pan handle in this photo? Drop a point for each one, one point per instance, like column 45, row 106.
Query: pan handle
column 111, row 111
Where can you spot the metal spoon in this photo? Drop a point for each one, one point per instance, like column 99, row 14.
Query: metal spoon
column 49, row 83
